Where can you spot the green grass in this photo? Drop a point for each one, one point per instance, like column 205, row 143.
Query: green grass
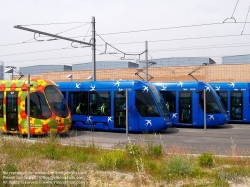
column 206, row 159
column 142, row 164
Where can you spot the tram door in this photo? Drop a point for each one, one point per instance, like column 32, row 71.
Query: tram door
column 120, row 109
column 185, row 107
column 236, row 105
column 11, row 111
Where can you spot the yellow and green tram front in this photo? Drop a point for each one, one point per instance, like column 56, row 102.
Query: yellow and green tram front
column 48, row 109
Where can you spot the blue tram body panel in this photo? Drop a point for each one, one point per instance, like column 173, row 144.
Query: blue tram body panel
column 185, row 102
column 111, row 96
column 236, row 99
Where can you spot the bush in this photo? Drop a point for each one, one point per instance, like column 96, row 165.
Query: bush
column 206, row 159
column 155, row 150
column 49, row 151
column 133, row 149
column 180, row 165
column 10, row 167
column 112, row 160
column 8, row 171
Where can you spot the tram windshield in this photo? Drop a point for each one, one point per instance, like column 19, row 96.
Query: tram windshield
column 56, row 101
column 159, row 99
column 212, row 105
column 146, row 105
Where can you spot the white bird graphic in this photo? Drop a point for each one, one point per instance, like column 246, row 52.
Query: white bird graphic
column 117, row 83
column 120, row 89
column 175, row 115
column 211, row 117
column 217, row 88
column 110, row 119
column 78, row 84
column 164, row 87
column 237, row 111
column 89, row 119
column 145, row 88
column 92, row 88
column 231, row 85
column 207, row 88
column 180, row 84
column 148, row 122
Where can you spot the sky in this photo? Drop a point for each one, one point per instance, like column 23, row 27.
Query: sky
column 183, row 28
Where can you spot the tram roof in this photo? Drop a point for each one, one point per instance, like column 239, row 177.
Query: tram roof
column 230, row 85
column 181, row 85
column 23, row 83
column 103, row 85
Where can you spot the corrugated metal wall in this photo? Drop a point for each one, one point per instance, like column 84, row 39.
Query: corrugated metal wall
column 32, row 70
column 104, row 65
column 238, row 59
column 179, row 61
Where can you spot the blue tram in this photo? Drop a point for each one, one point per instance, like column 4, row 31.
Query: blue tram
column 100, row 105
column 236, row 98
column 185, row 101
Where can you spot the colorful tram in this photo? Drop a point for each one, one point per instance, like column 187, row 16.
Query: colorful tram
column 100, row 105
column 48, row 109
column 235, row 97
column 185, row 102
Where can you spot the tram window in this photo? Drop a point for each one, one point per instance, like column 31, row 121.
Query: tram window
column 38, row 106
column 120, row 103
column 11, row 101
column 56, row 101
column 100, row 103
column 185, row 106
column 236, row 98
column 145, row 104
column 120, row 100
column 170, row 100
column 236, row 105
column 223, row 97
column 64, row 94
column 1, row 104
column 211, row 104
column 78, row 102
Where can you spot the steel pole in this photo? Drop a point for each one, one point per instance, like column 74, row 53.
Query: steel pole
column 146, row 59
column 127, row 112
column 93, row 51
column 28, row 106
column 205, row 110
